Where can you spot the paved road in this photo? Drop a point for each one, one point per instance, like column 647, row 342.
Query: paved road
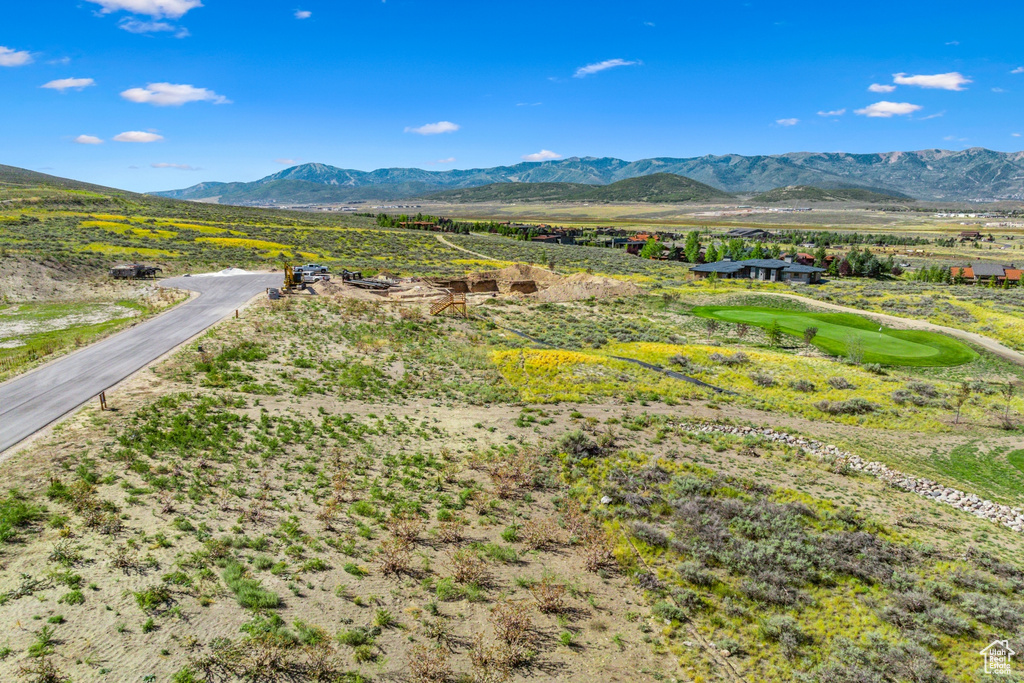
column 33, row 400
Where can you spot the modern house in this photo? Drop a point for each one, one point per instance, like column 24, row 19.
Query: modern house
column 985, row 273
column 750, row 233
column 762, row 269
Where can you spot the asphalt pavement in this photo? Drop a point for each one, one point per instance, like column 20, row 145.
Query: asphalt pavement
column 35, row 399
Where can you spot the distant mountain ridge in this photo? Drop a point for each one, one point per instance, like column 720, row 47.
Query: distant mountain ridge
column 974, row 174
column 658, row 187
column 808, row 193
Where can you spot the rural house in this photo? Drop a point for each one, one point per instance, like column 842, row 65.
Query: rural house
column 750, row 233
column 765, row 270
column 986, row 273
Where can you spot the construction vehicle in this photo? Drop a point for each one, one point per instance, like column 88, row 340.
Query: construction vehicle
column 292, row 280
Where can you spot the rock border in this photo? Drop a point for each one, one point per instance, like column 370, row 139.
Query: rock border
column 1010, row 517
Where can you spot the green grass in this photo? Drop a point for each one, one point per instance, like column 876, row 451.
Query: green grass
column 994, row 472
column 248, row 591
column 836, row 331
column 17, row 513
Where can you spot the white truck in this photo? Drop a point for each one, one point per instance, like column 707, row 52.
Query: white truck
column 312, row 272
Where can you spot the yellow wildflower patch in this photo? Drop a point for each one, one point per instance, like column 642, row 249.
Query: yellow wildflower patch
column 112, row 250
column 245, row 243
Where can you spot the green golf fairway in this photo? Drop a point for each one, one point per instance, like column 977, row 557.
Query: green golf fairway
column 886, row 347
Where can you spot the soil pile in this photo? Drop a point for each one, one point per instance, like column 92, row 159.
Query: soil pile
column 580, row 286
column 517, row 273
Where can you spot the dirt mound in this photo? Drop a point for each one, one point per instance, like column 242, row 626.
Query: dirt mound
column 580, row 286
column 517, row 273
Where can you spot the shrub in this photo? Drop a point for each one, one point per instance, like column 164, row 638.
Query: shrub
column 840, row 383
column 851, row 406
column 738, row 358
column 804, row 385
column 550, row 596
column 762, row 379
column 669, row 612
column 784, row 630
column 429, row 664
column 874, row 368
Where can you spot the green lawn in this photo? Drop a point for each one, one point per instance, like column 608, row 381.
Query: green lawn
column 837, row 331
column 995, row 472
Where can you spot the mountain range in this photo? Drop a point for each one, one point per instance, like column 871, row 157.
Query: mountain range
column 974, row 174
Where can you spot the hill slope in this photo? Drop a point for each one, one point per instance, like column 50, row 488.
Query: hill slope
column 660, row 187
column 808, row 193
column 970, row 175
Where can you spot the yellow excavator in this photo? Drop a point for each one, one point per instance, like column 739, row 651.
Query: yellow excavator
column 292, row 280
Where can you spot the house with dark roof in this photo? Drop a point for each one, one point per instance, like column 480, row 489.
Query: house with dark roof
column 985, row 273
column 761, row 269
column 750, row 233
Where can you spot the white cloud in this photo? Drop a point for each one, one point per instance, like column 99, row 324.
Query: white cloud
column 88, row 140
column 60, row 61
column 885, row 110
column 133, row 25
column 787, row 122
column 834, row 112
column 1016, row 135
column 303, row 14
column 878, row 87
column 584, row 71
column 63, row 84
column 1018, row 70
column 998, row 90
column 449, row 160
column 172, row 95
column 138, row 136
column 286, row 162
column 152, row 8
column 953, row 138
column 650, row 24
column 954, row 80
column 433, row 128
column 543, row 155
column 179, row 167
column 528, row 104
column 11, row 57
column 933, row 116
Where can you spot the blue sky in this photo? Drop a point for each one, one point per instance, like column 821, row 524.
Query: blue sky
column 161, row 94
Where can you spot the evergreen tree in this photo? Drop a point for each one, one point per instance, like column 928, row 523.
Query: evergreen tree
column 758, row 251
column 711, row 253
column 819, row 256
column 691, row 251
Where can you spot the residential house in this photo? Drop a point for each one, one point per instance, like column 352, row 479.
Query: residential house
column 985, row 273
column 764, row 270
column 750, row 233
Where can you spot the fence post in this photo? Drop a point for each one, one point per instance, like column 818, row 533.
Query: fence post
column 103, row 400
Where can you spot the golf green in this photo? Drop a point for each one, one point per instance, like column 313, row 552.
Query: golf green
column 837, row 331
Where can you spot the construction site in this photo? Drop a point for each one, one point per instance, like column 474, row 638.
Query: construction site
column 454, row 296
